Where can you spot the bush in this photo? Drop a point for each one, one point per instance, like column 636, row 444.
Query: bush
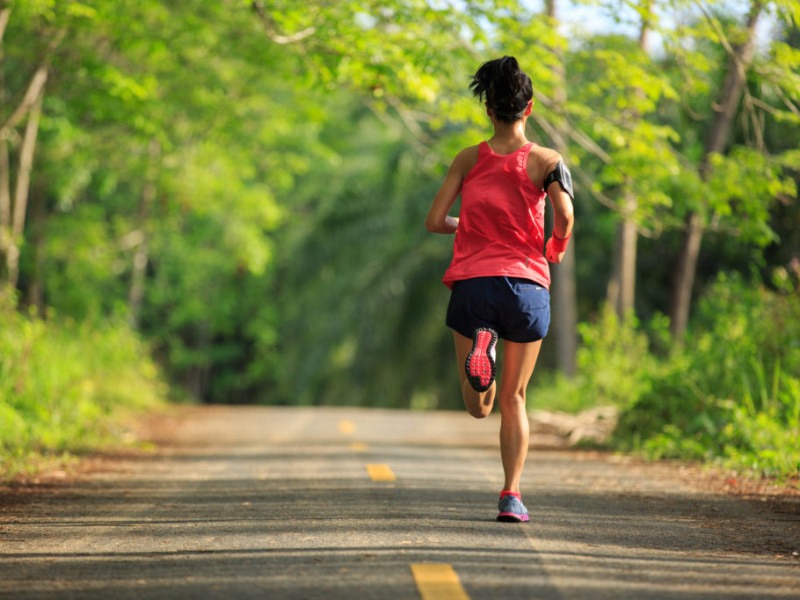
column 66, row 386
column 731, row 394
column 614, row 363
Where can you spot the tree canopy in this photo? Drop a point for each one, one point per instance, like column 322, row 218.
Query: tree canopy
column 246, row 181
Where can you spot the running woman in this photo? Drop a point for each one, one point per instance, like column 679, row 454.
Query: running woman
column 499, row 276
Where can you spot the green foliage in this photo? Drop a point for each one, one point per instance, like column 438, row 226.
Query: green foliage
column 204, row 323
column 360, row 292
column 68, row 386
column 730, row 394
column 615, row 362
column 82, row 251
column 740, row 189
column 274, row 161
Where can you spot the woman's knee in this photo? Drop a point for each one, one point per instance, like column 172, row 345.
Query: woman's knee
column 514, row 401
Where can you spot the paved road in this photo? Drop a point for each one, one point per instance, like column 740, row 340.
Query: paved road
column 334, row 504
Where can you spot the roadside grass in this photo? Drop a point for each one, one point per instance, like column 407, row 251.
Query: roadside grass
column 728, row 396
column 67, row 388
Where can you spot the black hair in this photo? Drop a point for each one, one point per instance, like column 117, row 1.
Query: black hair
column 506, row 88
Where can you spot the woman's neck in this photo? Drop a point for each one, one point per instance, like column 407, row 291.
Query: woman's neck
column 508, row 137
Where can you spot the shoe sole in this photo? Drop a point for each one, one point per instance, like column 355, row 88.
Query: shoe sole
column 480, row 366
column 506, row 517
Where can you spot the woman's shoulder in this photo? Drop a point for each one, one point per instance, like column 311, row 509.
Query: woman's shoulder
column 470, row 152
column 541, row 161
column 543, row 156
column 466, row 159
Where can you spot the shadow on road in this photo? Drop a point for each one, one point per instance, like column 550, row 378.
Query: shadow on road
column 289, row 512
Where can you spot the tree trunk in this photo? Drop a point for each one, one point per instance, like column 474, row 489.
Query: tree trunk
column 684, row 277
column 622, row 287
column 22, row 188
column 12, row 212
column 141, row 255
column 5, row 15
column 37, row 225
column 565, row 300
column 5, row 207
column 725, row 108
column 5, row 161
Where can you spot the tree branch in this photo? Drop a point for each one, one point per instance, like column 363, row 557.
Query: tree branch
column 408, row 120
column 32, row 93
column 5, row 15
column 35, row 87
column 580, row 138
column 266, row 21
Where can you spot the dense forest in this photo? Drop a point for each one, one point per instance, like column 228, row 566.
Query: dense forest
column 224, row 202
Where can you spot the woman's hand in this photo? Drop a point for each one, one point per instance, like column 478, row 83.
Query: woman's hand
column 552, row 254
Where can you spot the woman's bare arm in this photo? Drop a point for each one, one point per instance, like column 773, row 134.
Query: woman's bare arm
column 438, row 219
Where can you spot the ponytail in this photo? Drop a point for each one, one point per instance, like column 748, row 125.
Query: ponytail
column 506, row 89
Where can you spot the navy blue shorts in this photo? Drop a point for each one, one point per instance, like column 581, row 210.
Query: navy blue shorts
column 517, row 309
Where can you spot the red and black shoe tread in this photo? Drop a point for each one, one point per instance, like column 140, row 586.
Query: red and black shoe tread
column 480, row 364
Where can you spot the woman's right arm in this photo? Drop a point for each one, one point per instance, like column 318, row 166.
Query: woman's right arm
column 563, row 216
column 563, row 212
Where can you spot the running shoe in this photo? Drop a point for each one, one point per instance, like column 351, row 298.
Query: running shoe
column 512, row 510
column 480, row 365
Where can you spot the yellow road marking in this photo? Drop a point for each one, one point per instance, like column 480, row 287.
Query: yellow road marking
column 358, row 447
column 381, row 473
column 437, row 582
column 346, row 427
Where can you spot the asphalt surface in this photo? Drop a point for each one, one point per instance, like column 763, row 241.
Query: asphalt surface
column 346, row 503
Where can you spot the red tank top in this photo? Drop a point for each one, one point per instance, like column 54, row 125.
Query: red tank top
column 501, row 222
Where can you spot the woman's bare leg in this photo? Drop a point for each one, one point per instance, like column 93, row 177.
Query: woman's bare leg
column 519, row 361
column 478, row 404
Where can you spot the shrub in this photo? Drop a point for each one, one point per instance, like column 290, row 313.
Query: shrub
column 66, row 386
column 731, row 393
column 613, row 366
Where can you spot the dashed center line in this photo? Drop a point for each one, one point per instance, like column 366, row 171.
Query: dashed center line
column 381, row 473
column 437, row 581
column 376, row 472
column 346, row 427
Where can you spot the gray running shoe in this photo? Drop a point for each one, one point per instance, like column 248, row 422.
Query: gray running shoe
column 512, row 510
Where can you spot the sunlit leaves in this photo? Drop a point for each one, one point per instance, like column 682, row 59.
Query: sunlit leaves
column 779, row 77
column 740, row 189
column 788, row 11
column 303, row 141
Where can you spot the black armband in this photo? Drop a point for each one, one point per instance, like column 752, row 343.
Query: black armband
column 562, row 176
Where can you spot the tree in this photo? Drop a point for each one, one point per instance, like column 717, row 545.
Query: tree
column 246, row 182
column 622, row 285
column 25, row 110
column 617, row 93
column 724, row 109
column 564, row 280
